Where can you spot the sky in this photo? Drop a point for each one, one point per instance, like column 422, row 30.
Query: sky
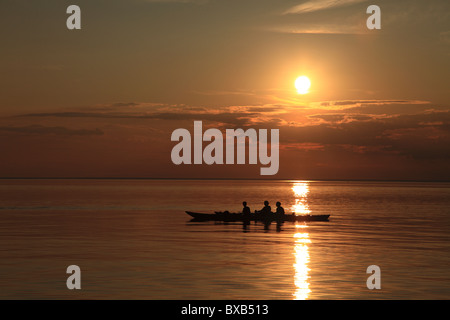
column 103, row 101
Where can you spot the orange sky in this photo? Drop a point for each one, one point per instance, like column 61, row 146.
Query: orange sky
column 103, row 101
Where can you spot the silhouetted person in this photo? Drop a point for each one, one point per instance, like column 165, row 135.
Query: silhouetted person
column 245, row 215
column 266, row 215
column 266, row 209
column 279, row 215
column 280, row 209
column 245, row 210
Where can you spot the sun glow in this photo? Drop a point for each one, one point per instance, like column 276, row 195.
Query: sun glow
column 302, row 84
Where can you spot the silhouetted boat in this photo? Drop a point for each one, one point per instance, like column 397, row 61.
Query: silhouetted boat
column 239, row 217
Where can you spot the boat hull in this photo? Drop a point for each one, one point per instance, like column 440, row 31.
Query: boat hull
column 239, row 217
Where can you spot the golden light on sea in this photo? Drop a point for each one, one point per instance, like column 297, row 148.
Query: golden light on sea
column 301, row 191
column 301, row 270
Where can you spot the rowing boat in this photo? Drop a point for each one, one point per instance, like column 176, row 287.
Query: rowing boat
column 239, row 217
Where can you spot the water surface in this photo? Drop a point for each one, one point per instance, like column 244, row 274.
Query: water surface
column 132, row 240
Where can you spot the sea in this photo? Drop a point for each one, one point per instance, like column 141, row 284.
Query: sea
column 132, row 239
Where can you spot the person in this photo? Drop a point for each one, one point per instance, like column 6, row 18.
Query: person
column 279, row 215
column 266, row 209
column 245, row 210
column 280, row 209
column 245, row 215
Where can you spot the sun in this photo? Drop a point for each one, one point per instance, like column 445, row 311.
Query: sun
column 302, row 84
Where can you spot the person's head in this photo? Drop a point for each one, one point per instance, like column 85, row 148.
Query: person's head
column 278, row 204
column 266, row 203
column 244, row 204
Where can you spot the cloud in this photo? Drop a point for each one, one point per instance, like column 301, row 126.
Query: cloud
column 125, row 104
column 242, row 119
column 42, row 130
column 366, row 102
column 374, row 106
column 324, row 29
column 328, row 117
column 232, row 115
column 353, row 23
column 312, row 5
column 423, row 135
column 330, row 138
column 355, row 126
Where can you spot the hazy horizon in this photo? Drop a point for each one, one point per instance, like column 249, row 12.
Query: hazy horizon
column 220, row 179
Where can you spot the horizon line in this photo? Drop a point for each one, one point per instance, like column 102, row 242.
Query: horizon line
column 212, row 179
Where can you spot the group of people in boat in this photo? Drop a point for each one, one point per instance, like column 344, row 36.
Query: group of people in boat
column 266, row 215
column 265, row 210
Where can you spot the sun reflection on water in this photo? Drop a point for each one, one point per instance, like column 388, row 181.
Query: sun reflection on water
column 301, row 190
column 301, row 240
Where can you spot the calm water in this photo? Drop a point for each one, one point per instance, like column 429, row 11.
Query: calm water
column 132, row 240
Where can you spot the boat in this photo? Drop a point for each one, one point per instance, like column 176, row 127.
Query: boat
column 239, row 217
